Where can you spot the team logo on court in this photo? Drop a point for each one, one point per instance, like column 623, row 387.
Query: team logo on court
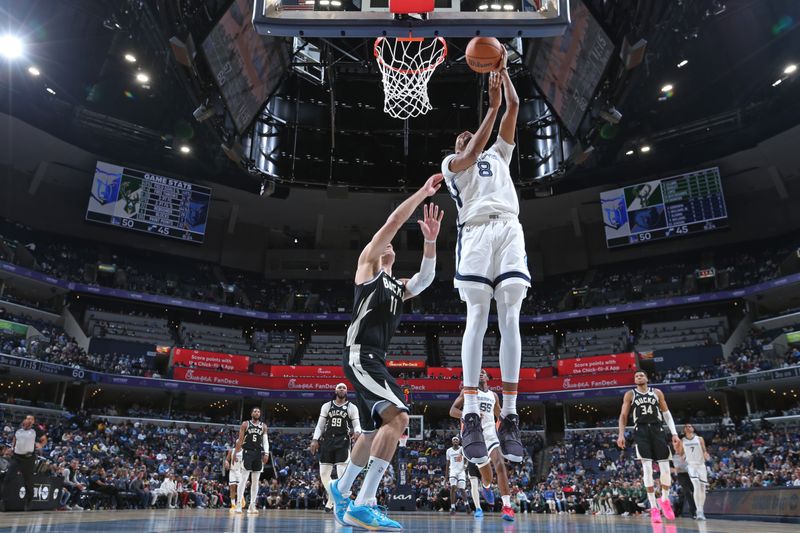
column 614, row 213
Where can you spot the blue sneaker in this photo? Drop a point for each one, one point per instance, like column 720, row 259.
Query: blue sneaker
column 478, row 513
column 373, row 518
column 488, row 494
column 340, row 502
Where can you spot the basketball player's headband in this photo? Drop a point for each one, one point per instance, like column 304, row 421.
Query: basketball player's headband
column 341, row 385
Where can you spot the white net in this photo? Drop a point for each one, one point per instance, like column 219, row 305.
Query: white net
column 407, row 65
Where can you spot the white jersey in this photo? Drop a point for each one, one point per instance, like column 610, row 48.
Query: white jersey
column 456, row 459
column 236, row 459
column 693, row 450
column 486, row 401
column 486, row 187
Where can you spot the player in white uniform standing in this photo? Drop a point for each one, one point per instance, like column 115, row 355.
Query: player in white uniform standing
column 236, row 471
column 456, row 473
column 694, row 451
column 490, row 262
column 489, row 406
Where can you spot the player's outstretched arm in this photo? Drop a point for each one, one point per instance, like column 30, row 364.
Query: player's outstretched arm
column 468, row 157
column 508, row 124
column 430, row 225
column 623, row 418
column 370, row 256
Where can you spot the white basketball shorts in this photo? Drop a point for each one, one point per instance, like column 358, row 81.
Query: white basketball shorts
column 699, row 472
column 491, row 255
column 458, row 479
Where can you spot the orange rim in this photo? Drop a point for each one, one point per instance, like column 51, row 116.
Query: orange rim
column 410, row 71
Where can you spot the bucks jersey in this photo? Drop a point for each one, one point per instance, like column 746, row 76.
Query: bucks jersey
column 337, row 428
column 254, row 437
column 376, row 313
column 646, row 407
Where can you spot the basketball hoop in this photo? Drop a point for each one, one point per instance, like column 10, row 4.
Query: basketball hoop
column 407, row 64
column 403, row 440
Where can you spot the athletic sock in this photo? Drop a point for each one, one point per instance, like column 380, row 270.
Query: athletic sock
column 452, row 506
column 349, row 476
column 470, row 402
column 506, row 500
column 651, row 497
column 664, row 494
column 509, row 404
column 376, row 468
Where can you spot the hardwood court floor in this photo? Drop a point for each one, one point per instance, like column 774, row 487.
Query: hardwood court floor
column 220, row 521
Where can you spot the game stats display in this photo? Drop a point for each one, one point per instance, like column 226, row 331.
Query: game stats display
column 665, row 208
column 141, row 201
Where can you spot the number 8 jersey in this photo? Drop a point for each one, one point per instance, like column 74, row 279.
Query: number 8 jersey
column 486, row 187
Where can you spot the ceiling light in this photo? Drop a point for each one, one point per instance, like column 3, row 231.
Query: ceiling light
column 336, row 3
column 324, row 2
column 34, row 71
column 629, row 152
column 644, row 149
column 141, row 77
column 51, row 91
column 683, row 63
column 309, row 2
column 10, row 46
column 790, row 69
column 130, row 58
column 495, row 6
column 508, row 7
column 667, row 88
column 185, row 149
column 777, row 82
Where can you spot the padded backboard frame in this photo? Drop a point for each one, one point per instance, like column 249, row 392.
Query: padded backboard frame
column 280, row 18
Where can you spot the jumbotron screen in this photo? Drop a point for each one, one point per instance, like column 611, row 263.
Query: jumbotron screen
column 664, row 208
column 142, row 201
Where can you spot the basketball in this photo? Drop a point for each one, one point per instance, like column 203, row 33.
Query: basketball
column 484, row 54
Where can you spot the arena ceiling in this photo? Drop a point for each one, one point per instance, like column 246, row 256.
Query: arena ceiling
column 723, row 98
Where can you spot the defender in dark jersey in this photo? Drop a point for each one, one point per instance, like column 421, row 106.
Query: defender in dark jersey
column 254, row 444
column 337, row 419
column 650, row 412
column 378, row 306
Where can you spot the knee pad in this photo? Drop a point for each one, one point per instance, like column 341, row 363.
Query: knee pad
column 664, row 473
column 647, row 467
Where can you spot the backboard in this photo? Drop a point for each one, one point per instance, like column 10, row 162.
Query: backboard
column 450, row 18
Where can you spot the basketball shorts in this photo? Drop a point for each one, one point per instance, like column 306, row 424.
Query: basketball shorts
column 490, row 256
column 650, row 442
column 251, row 461
column 237, row 475
column 490, row 437
column 472, row 470
column 334, row 454
column 375, row 387
column 699, row 472
column 458, row 479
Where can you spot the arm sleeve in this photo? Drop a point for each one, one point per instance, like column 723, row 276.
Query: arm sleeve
column 503, row 149
column 323, row 418
column 352, row 412
column 670, row 422
column 266, row 442
column 422, row 279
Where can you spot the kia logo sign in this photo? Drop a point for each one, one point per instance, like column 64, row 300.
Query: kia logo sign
column 401, row 497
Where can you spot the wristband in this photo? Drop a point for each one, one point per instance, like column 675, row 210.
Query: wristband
column 430, row 242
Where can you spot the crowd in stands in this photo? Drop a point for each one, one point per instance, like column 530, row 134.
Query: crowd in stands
column 144, row 271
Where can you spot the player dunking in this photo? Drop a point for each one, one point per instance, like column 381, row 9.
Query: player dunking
column 254, row 445
column 490, row 262
column 489, row 408
column 694, row 450
column 236, row 478
column 377, row 311
column 650, row 411
column 337, row 418
column 456, row 473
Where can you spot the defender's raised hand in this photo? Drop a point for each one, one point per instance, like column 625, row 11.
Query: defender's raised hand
column 432, row 221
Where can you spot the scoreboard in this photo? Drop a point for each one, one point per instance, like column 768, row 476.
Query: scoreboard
column 142, row 201
column 665, row 208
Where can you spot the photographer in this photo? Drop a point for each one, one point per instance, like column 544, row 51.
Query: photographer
column 28, row 439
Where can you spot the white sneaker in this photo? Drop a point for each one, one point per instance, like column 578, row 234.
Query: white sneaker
column 76, row 507
column 700, row 517
column 252, row 510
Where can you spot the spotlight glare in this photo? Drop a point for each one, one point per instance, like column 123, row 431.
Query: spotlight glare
column 51, row 91
column 34, row 71
column 790, row 69
column 629, row 152
column 10, row 46
column 141, row 77
column 130, row 58
column 683, row 63
column 667, row 88
column 644, row 149
column 185, row 149
column 777, row 82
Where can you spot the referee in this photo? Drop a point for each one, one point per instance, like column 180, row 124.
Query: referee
column 27, row 440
